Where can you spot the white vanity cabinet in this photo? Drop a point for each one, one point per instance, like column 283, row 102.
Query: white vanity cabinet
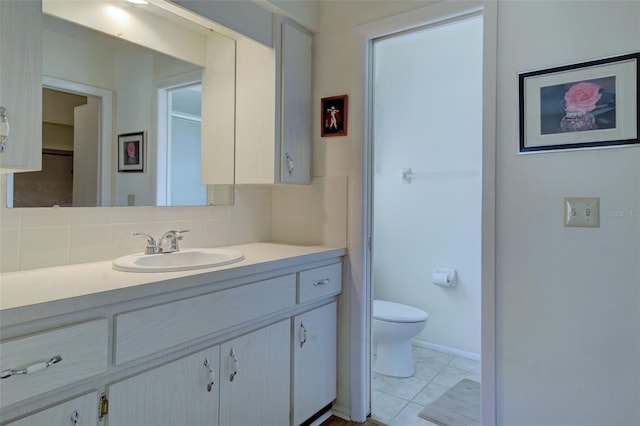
column 248, row 345
column 21, row 84
column 80, row 411
column 255, row 380
column 182, row 392
column 314, row 361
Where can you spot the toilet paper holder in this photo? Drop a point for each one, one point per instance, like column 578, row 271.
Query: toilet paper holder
column 444, row 277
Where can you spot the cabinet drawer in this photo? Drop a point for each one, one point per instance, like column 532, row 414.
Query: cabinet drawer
column 154, row 329
column 83, row 349
column 320, row 282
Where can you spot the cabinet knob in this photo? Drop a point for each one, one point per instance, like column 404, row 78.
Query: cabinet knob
column 75, row 417
column 289, row 163
column 303, row 335
column 212, row 378
column 234, row 365
column 4, row 128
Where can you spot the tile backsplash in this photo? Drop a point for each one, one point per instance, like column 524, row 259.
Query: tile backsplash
column 42, row 237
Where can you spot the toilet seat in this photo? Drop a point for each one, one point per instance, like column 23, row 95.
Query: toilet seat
column 396, row 312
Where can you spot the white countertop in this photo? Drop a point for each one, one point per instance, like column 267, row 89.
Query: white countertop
column 61, row 289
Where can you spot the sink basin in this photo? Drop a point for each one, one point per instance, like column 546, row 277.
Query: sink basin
column 183, row 260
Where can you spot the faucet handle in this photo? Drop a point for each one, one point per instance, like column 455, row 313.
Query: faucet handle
column 173, row 237
column 152, row 247
column 179, row 233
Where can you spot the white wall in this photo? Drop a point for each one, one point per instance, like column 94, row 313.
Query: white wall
column 567, row 310
column 568, row 299
column 428, row 116
column 136, row 100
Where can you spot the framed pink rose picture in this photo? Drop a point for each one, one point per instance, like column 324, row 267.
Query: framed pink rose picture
column 131, row 152
column 593, row 104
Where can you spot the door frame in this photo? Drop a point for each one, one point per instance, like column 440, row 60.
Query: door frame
column 360, row 253
column 106, row 152
column 163, row 116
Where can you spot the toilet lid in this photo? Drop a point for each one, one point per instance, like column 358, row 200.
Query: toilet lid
column 397, row 312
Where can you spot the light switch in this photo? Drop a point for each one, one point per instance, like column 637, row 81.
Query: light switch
column 582, row 211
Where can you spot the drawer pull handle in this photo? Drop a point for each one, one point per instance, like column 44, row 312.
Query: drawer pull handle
column 322, row 282
column 234, row 369
column 33, row 368
column 212, row 378
column 75, row 418
column 303, row 335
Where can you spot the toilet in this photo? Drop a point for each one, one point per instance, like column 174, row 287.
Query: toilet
column 393, row 327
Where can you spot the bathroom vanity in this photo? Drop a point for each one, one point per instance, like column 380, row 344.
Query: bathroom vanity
column 251, row 343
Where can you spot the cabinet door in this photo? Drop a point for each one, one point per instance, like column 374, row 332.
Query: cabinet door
column 178, row 393
column 314, row 361
column 21, row 83
column 254, row 386
column 82, row 411
column 295, row 107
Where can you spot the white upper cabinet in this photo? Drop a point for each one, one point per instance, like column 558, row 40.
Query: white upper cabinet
column 293, row 103
column 273, row 107
column 21, row 84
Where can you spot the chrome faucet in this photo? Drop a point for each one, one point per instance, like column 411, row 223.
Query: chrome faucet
column 154, row 248
column 172, row 237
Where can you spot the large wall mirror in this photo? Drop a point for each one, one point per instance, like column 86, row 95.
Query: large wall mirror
column 138, row 109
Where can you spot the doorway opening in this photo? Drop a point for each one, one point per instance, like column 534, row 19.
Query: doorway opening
column 426, row 198
column 76, row 150
column 179, row 146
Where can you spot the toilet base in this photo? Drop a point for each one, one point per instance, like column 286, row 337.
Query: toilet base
column 394, row 359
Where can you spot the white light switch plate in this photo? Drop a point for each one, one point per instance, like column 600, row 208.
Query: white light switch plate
column 582, row 211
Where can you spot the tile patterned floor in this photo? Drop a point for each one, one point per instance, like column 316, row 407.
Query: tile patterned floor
column 397, row 402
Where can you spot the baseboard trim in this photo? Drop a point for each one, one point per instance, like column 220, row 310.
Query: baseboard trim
column 446, row 349
column 339, row 410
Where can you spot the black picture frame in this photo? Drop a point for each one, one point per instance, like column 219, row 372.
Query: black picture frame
column 594, row 104
column 131, row 152
column 333, row 116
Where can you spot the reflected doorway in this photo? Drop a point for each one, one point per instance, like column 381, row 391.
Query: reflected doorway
column 179, row 147
column 70, row 154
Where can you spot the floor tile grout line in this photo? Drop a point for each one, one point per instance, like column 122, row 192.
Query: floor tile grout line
column 461, row 372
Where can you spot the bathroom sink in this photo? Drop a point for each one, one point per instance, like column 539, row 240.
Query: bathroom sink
column 183, row 260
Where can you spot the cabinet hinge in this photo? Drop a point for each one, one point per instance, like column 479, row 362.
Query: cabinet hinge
column 104, row 406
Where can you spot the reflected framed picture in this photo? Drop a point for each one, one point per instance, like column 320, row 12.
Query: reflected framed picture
column 591, row 104
column 131, row 151
column 333, row 116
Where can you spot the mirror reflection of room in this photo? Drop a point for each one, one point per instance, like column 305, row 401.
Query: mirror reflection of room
column 54, row 184
column 96, row 87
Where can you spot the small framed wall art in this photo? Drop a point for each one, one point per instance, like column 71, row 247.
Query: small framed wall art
column 131, row 152
column 593, row 104
column 333, row 115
